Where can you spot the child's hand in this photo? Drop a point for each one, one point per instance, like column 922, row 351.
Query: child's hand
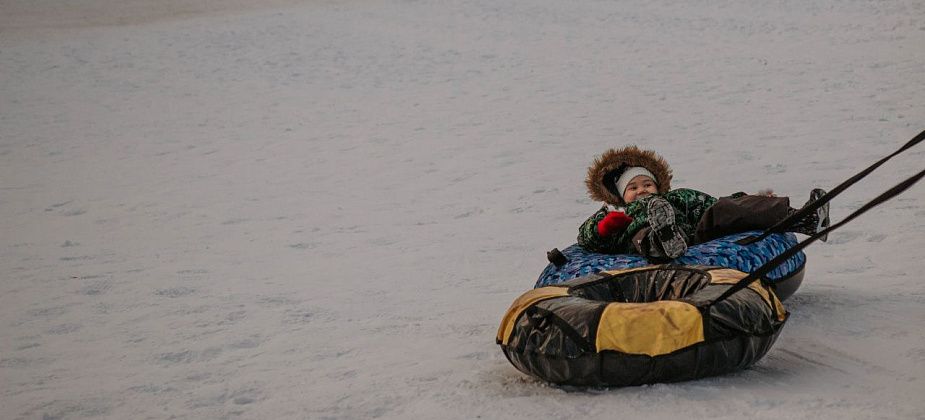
column 613, row 222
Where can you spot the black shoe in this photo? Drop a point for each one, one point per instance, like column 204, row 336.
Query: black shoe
column 814, row 222
column 665, row 232
column 822, row 213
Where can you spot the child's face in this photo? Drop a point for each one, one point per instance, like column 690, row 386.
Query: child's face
column 639, row 187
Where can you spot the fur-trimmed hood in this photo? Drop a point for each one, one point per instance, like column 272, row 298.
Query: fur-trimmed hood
column 614, row 161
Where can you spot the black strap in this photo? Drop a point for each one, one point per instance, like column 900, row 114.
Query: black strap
column 791, row 220
column 771, row 265
column 534, row 313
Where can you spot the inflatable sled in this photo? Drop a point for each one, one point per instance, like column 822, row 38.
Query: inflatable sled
column 640, row 326
column 666, row 323
column 575, row 261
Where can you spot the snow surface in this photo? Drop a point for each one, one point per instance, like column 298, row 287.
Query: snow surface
column 321, row 209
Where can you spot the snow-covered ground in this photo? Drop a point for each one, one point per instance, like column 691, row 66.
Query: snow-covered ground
column 321, row 209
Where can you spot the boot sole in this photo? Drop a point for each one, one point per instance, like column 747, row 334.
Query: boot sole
column 664, row 229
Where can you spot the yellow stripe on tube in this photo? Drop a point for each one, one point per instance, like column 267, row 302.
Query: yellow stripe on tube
column 522, row 303
column 653, row 328
column 729, row 276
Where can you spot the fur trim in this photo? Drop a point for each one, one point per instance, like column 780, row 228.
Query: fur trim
column 614, row 159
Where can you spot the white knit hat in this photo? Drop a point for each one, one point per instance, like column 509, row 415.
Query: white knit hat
column 629, row 174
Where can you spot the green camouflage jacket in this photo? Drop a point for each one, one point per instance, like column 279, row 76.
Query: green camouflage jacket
column 689, row 206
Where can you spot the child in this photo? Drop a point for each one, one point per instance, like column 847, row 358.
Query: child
column 656, row 221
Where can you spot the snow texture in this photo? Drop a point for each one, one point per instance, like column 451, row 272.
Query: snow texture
column 321, row 209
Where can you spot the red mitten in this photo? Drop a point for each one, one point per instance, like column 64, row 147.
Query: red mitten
column 612, row 223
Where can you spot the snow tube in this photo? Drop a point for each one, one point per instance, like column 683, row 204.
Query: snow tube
column 722, row 252
column 641, row 326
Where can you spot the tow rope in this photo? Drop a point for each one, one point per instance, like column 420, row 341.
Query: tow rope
column 760, row 272
column 791, row 220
